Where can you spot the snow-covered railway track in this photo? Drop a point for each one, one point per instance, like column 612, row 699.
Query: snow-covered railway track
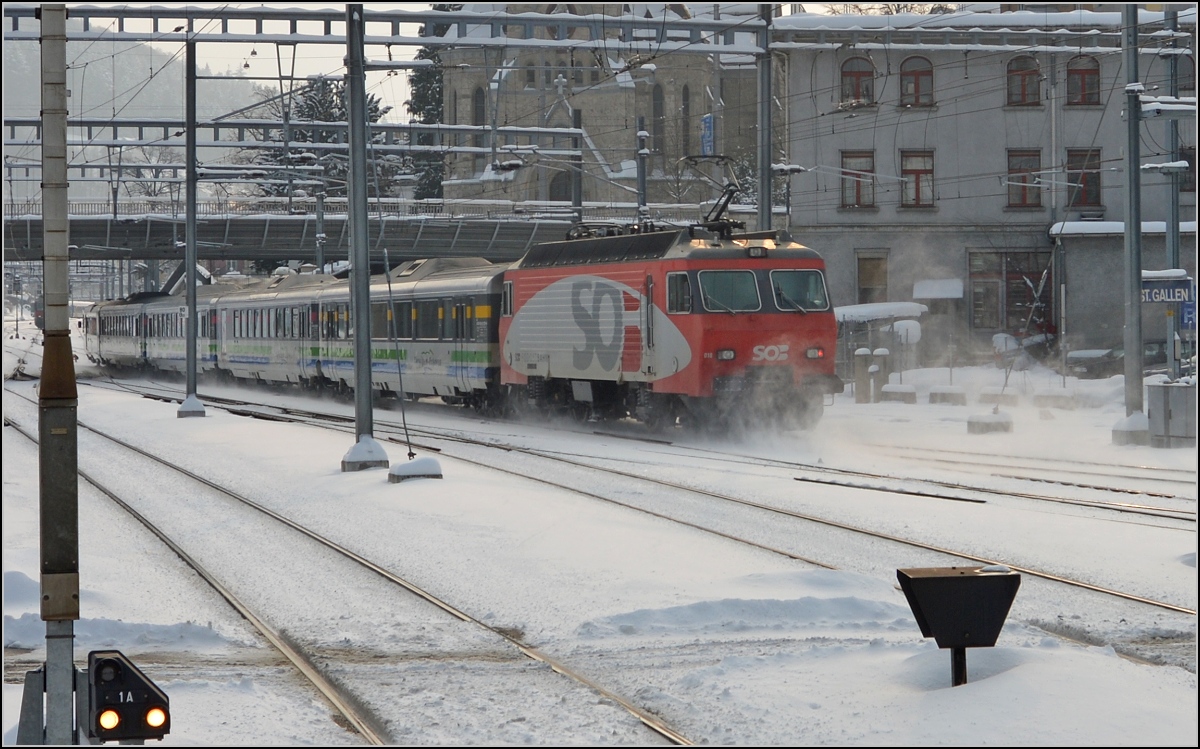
column 1161, row 476
column 326, row 665
column 1044, row 602
column 394, row 432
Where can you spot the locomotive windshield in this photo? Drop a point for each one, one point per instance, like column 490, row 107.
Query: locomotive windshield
column 729, row 291
column 800, row 290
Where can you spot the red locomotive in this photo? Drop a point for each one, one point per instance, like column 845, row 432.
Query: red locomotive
column 698, row 324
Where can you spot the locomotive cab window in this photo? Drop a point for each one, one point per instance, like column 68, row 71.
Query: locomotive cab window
column 506, row 301
column 799, row 290
column 679, row 293
column 729, row 291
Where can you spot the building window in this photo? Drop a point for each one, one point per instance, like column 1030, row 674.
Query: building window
column 872, row 279
column 858, row 182
column 531, row 77
column 1083, row 177
column 858, row 80
column 685, row 111
column 1187, row 180
column 478, row 117
column 1024, row 82
column 658, row 120
column 1083, row 80
column 916, row 82
column 916, row 168
column 560, row 187
column 1011, row 291
column 1023, row 190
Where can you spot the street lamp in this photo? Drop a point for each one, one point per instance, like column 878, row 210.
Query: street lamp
column 787, row 170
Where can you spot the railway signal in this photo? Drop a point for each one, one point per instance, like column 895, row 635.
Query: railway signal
column 123, row 703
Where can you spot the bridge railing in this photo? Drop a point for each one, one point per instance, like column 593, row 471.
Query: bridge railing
column 386, row 207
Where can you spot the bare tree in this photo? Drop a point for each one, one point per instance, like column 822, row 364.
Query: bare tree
column 887, row 9
column 153, row 171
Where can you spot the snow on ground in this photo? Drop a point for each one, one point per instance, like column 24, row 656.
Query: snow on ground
column 814, row 656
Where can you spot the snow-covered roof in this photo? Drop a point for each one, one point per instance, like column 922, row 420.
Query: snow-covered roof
column 878, row 311
column 1164, row 274
column 972, row 20
column 1084, row 228
column 938, row 288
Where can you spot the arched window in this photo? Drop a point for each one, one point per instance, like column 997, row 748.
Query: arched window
column 560, row 187
column 1024, row 82
column 658, row 120
column 686, row 122
column 478, row 117
column 858, row 80
column 478, row 108
column 1083, row 80
column 916, row 82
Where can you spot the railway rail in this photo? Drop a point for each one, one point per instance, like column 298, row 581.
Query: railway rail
column 348, row 704
column 394, row 432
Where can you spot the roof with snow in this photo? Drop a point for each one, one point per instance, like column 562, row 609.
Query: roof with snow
column 1101, row 228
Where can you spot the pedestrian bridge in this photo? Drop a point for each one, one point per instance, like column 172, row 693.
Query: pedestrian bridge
column 269, row 229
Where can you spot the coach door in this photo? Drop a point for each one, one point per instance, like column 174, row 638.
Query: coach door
column 460, row 356
column 311, row 336
column 647, row 325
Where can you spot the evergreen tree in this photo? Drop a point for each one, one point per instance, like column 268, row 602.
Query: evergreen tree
column 425, row 105
column 322, row 100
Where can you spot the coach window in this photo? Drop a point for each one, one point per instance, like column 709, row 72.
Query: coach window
column 379, row 322
column 343, row 321
column 428, row 324
column 506, row 300
column 679, row 293
column 729, row 291
column 449, row 320
column 402, row 316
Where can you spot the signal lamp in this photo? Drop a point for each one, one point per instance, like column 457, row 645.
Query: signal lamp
column 725, row 354
column 123, row 703
column 815, row 353
column 109, row 719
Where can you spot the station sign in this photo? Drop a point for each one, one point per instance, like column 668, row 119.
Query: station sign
column 1168, row 290
column 707, row 136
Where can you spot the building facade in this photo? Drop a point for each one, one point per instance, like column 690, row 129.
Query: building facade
column 670, row 94
column 975, row 162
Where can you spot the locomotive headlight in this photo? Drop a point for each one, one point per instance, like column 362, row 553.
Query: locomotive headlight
column 756, row 251
column 725, row 354
column 815, row 353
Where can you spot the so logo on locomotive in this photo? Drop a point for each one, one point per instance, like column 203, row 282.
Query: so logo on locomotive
column 771, row 353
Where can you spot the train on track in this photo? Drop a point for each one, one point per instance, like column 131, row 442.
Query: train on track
column 666, row 325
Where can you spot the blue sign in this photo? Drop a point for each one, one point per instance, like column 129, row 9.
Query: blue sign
column 1171, row 290
column 707, row 138
column 1187, row 320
